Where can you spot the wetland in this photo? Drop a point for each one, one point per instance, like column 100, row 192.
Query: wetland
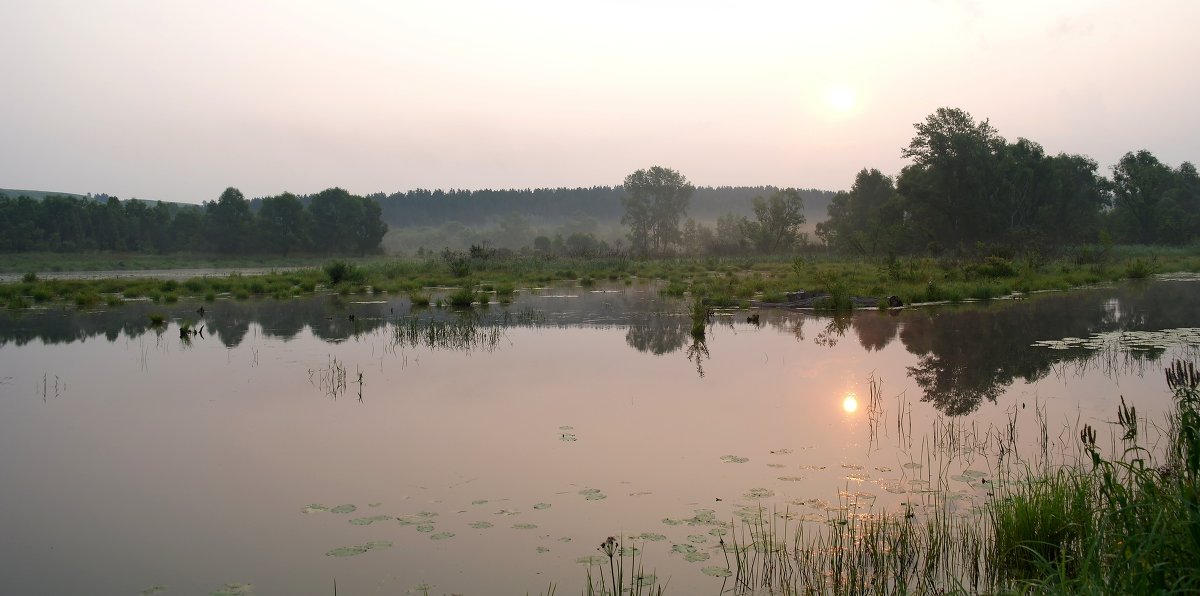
column 280, row 446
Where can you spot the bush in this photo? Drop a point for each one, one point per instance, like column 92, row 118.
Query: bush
column 341, row 271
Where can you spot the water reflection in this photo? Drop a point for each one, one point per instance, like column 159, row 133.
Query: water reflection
column 965, row 355
column 850, row 404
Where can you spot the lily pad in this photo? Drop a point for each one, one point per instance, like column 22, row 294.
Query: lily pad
column 479, row 502
column 759, row 493
column 791, row 478
column 592, row 560
column 645, row 581
column 734, row 459
column 718, row 531
column 717, row 571
column 697, row 538
column 343, row 509
column 425, row 528
column 480, row 525
column 695, row 557
column 233, row 590
column 672, row 522
column 315, row 507
column 974, row 474
column 651, row 537
column 589, row 491
column 683, row 548
column 542, row 506
column 596, row 497
column 374, row 504
column 776, row 465
column 568, row 437
column 912, row 466
column 366, row 521
column 566, row 427
column 442, row 536
column 524, row 526
column 378, row 544
column 543, row 549
column 346, row 551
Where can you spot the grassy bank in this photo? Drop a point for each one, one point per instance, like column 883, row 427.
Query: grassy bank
column 722, row 281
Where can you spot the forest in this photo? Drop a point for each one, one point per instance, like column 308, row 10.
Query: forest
column 966, row 191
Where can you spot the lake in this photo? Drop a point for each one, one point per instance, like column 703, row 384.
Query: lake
column 292, row 444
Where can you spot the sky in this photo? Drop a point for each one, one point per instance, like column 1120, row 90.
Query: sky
column 174, row 100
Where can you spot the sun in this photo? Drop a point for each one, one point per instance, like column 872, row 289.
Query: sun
column 850, row 404
column 840, row 98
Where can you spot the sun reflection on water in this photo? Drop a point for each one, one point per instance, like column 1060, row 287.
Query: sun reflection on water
column 850, row 403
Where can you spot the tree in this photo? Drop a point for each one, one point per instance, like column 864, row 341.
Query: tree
column 343, row 222
column 655, row 202
column 952, row 185
column 868, row 219
column 1140, row 183
column 777, row 221
column 283, row 224
column 228, row 221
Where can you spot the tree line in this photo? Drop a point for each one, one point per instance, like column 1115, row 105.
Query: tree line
column 967, row 187
column 330, row 222
column 423, row 207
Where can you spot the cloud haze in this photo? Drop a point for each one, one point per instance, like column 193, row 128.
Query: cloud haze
column 176, row 101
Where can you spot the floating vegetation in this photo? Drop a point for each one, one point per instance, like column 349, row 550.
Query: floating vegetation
column 683, row 548
column 734, row 459
column 233, row 590
column 543, row 549
column 152, row 590
column 525, row 526
column 791, row 478
column 568, row 437
column 759, row 493
column 592, row 560
column 1127, row 341
column 480, row 525
column 852, row 467
column 718, row 532
column 366, row 521
column 442, row 536
column 695, row 557
column 479, row 502
column 912, row 466
column 343, row 509
column 812, row 467
column 672, row 522
column 425, row 528
column 782, row 451
column 315, row 507
column 697, row 538
column 565, row 428
column 716, row 571
column 350, row 551
column 593, row 494
column 776, row 465
column 540, row 506
column 372, row 505
column 650, row 537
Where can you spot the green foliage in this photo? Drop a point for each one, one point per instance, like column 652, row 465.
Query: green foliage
column 461, row 298
column 1137, row 269
column 655, row 202
column 338, row 272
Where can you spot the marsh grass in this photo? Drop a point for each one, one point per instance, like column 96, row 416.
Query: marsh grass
column 620, row 571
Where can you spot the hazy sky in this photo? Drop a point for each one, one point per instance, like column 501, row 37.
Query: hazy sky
column 177, row 100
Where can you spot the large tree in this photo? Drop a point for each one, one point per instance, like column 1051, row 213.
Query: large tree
column 777, row 221
column 283, row 224
column 228, row 221
column 655, row 202
column 953, row 183
column 1140, row 183
column 867, row 219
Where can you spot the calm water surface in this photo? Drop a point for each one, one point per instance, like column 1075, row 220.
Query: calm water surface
column 131, row 457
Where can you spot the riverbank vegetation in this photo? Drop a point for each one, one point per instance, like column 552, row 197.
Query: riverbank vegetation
column 721, row 282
